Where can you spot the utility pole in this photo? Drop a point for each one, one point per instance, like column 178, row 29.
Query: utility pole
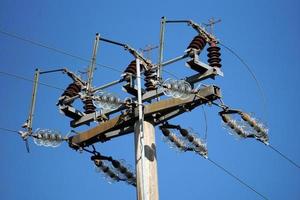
column 142, row 118
column 145, row 151
column 139, row 113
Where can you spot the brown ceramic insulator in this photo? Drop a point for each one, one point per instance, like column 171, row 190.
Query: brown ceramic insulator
column 131, row 68
column 214, row 56
column 72, row 90
column 197, row 43
column 88, row 106
column 150, row 75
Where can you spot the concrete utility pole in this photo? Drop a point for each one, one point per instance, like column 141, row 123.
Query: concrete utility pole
column 146, row 172
column 134, row 116
column 145, row 151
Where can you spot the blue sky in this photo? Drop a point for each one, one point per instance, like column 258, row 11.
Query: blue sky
column 265, row 33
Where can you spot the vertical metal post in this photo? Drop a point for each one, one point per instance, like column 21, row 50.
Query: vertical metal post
column 33, row 100
column 146, row 167
column 161, row 46
column 91, row 68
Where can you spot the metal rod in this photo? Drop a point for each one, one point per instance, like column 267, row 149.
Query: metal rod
column 33, row 100
column 93, row 63
column 71, row 99
column 168, row 62
column 134, row 52
column 50, row 71
column 197, row 27
column 107, row 85
column 161, row 47
column 174, row 60
column 113, row 42
column 177, row 21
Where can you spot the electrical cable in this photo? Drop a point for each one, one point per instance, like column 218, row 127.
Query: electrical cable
column 206, row 125
column 237, row 178
column 170, row 73
column 262, row 93
column 39, row 44
column 284, row 156
column 13, row 35
column 9, row 130
column 259, row 86
column 30, row 80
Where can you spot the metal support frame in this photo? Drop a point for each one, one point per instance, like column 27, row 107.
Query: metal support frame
column 91, row 68
column 81, row 119
column 33, row 100
column 159, row 112
column 37, row 73
column 161, row 47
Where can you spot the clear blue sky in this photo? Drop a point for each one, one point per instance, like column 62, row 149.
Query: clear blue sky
column 264, row 33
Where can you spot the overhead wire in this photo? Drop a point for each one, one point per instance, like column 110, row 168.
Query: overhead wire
column 263, row 96
column 206, row 125
column 30, row 80
column 247, row 66
column 39, row 44
column 170, row 73
column 284, row 156
column 8, row 130
column 237, row 178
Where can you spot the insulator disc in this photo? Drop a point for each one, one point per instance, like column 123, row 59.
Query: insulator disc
column 106, row 100
column 131, row 68
column 177, row 88
column 197, row 43
column 150, row 75
column 88, row 106
column 214, row 56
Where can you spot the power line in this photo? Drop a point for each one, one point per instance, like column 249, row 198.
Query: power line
column 9, row 130
column 170, row 73
column 262, row 95
column 30, row 80
column 260, row 88
column 284, row 156
column 39, row 44
column 237, row 178
column 206, row 124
